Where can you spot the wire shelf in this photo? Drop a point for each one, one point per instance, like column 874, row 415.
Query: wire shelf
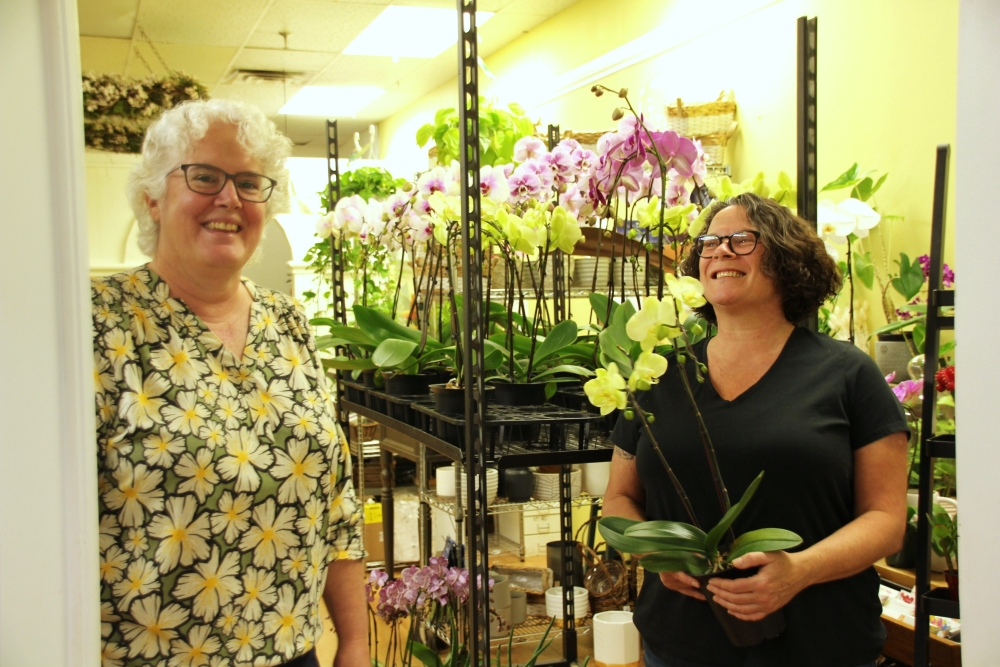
column 501, row 506
column 534, row 629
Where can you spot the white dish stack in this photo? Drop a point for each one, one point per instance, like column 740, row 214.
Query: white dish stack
column 547, row 485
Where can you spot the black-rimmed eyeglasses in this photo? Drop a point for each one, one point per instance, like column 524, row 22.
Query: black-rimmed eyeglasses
column 740, row 243
column 208, row 180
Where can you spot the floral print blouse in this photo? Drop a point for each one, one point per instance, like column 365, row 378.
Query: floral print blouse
column 225, row 485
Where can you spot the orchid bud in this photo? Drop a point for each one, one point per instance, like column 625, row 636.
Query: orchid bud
column 623, row 93
column 681, row 359
column 629, row 414
column 632, row 233
column 650, row 247
column 642, row 385
column 596, row 91
column 650, row 419
column 617, row 114
column 697, row 329
column 607, row 234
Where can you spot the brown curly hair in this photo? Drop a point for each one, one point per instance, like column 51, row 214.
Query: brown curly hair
column 795, row 258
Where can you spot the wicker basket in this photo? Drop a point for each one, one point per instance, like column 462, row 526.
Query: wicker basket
column 607, row 582
column 712, row 124
column 698, row 120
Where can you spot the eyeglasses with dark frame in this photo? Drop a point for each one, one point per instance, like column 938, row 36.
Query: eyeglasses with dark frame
column 208, row 180
column 742, row 242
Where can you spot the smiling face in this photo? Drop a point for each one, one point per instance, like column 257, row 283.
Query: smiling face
column 209, row 232
column 734, row 281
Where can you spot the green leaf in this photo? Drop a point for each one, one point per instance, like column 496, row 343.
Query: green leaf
column 393, row 352
column 864, row 269
column 600, row 303
column 424, row 134
column 877, row 185
column 764, row 539
column 714, row 535
column 847, row 179
column 380, row 327
column 630, row 545
column 863, row 190
column 676, row 534
column 442, row 116
column 896, row 326
column 425, row 655
column 919, row 336
column 550, row 389
column 910, row 279
column 675, row 561
column 563, row 368
column 562, row 334
column 345, row 364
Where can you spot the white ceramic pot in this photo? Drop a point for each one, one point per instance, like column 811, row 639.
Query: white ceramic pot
column 445, row 481
column 500, row 594
column 518, row 607
column 595, row 477
column 616, row 639
column 554, row 603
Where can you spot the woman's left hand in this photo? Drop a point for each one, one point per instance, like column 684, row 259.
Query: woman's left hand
column 779, row 579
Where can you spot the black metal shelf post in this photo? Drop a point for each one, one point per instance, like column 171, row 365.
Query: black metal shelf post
column 932, row 446
column 806, row 107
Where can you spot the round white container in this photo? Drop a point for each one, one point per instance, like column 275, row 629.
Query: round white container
column 616, row 639
column 445, row 481
column 554, row 603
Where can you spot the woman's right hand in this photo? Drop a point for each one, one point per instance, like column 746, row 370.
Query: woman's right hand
column 683, row 583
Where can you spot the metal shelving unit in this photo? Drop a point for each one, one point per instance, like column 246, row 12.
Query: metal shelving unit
column 932, row 447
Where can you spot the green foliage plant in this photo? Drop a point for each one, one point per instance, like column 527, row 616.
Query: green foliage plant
column 944, row 536
column 499, row 130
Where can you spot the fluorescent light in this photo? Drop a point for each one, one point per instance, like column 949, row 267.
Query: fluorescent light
column 410, row 32
column 334, row 101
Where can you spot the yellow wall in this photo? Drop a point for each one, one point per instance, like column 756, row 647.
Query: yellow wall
column 887, row 92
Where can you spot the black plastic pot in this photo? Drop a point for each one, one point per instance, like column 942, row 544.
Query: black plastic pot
column 519, row 484
column 370, row 380
column 451, row 400
column 512, row 393
column 400, row 384
column 739, row 632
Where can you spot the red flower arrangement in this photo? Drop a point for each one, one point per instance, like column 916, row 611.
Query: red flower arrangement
column 945, row 379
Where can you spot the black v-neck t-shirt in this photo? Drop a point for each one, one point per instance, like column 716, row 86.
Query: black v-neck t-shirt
column 800, row 423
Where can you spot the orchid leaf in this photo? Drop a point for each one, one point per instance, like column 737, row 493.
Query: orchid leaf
column 631, row 545
column 600, row 303
column 714, row 535
column 864, row 269
column 563, row 368
column 393, row 352
column 381, row 327
column 764, row 539
column 522, row 344
column 562, row 334
column 352, row 334
column 919, row 336
column 675, row 561
column 878, row 184
column 424, row 654
column 345, row 364
column 896, row 326
column 676, row 534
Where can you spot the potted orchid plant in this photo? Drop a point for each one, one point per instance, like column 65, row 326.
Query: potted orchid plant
column 666, row 179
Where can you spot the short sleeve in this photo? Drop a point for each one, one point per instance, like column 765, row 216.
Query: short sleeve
column 626, row 434
column 874, row 411
column 346, row 523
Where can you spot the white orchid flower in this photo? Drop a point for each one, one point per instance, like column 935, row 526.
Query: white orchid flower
column 851, row 216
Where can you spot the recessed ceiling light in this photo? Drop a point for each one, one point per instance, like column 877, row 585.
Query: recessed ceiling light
column 332, row 101
column 410, row 32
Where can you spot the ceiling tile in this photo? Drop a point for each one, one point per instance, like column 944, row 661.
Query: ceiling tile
column 107, row 18
column 102, row 55
column 200, row 22
column 205, row 63
column 368, row 71
column 313, row 25
column 309, row 62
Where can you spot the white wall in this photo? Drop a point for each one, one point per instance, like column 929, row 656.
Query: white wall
column 48, row 477
column 978, row 302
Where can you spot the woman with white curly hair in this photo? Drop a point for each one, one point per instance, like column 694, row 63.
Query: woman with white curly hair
column 226, row 503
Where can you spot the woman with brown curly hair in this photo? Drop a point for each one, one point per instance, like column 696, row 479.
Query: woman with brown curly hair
column 813, row 413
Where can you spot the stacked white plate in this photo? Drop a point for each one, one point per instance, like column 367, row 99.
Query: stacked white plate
column 554, row 602
column 492, row 482
column 547, row 485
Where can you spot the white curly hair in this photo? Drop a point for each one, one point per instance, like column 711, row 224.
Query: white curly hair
column 171, row 136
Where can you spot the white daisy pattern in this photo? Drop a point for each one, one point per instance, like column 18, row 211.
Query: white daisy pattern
column 224, row 482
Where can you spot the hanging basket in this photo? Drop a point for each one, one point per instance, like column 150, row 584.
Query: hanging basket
column 697, row 120
column 607, row 582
